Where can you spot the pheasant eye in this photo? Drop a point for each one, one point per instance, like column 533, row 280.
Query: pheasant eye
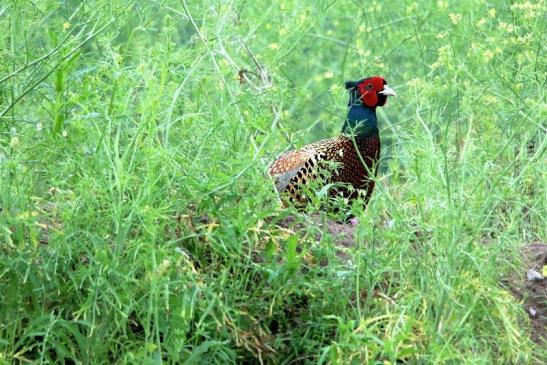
column 368, row 87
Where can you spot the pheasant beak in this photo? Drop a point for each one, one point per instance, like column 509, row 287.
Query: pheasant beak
column 388, row 91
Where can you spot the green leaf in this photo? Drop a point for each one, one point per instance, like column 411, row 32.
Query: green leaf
column 293, row 261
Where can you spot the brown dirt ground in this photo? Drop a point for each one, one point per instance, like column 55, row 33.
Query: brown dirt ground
column 534, row 294
column 341, row 233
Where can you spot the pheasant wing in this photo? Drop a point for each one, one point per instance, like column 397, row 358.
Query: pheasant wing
column 288, row 165
column 298, row 167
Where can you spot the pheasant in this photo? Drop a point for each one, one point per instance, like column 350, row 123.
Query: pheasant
column 355, row 152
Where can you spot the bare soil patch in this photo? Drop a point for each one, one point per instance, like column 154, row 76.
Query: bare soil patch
column 534, row 293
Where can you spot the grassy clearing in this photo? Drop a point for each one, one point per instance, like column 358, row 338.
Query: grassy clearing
column 137, row 225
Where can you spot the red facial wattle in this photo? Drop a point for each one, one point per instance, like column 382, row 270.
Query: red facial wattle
column 369, row 90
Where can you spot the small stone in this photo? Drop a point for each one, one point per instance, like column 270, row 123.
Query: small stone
column 354, row 221
column 389, row 223
column 533, row 275
column 533, row 311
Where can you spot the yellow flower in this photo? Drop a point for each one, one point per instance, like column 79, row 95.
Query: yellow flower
column 488, row 55
column 362, row 53
column 273, row 46
column 492, row 12
column 509, row 28
column 523, row 39
column 435, row 65
column 444, row 51
column 66, row 25
column 380, row 65
column 528, row 9
column 411, row 8
column 328, row 75
column 455, row 18
column 490, row 99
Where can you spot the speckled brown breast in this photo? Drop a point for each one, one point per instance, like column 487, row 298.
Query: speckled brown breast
column 352, row 170
column 299, row 167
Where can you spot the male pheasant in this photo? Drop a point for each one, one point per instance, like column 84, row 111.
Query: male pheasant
column 355, row 152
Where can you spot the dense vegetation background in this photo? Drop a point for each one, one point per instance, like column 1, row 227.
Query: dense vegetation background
column 137, row 223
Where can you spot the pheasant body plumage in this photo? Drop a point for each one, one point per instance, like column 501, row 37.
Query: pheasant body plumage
column 354, row 154
column 302, row 166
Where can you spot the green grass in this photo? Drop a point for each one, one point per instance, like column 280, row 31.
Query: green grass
column 138, row 224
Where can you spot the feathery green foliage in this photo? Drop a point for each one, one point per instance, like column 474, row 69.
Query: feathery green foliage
column 138, row 224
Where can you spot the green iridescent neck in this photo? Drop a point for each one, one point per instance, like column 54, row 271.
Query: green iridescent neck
column 361, row 121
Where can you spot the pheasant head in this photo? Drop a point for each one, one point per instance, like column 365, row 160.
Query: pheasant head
column 365, row 95
column 370, row 91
